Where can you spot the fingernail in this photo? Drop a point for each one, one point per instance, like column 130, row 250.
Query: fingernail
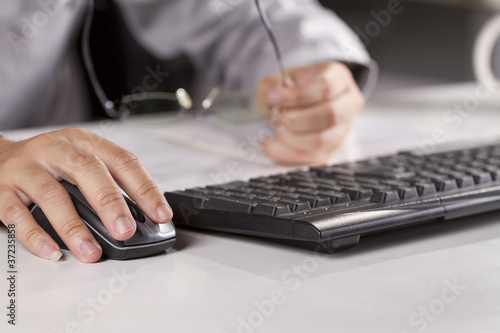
column 123, row 225
column 164, row 213
column 50, row 251
column 88, row 248
column 274, row 98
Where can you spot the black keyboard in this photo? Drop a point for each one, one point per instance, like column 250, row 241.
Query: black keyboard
column 332, row 206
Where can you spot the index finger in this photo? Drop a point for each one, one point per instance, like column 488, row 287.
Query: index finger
column 131, row 176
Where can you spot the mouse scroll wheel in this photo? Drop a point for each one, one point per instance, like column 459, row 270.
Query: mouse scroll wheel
column 136, row 212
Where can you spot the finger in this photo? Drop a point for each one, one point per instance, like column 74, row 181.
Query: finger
column 332, row 82
column 37, row 241
column 262, row 91
column 97, row 185
column 315, row 141
column 131, row 176
column 56, row 204
column 324, row 115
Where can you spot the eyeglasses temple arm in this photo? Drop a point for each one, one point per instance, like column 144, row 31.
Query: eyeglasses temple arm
column 284, row 76
column 107, row 104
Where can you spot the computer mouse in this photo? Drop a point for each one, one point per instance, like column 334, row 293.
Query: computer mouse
column 149, row 239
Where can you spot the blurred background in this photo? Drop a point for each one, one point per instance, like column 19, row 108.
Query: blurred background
column 427, row 42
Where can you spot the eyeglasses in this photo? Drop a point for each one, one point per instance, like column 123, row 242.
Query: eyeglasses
column 230, row 107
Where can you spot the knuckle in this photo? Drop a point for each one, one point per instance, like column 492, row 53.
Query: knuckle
column 30, row 171
column 340, row 68
column 50, row 191
column 82, row 137
column 14, row 212
column 125, row 160
column 108, row 197
column 147, row 188
column 72, row 228
column 81, row 160
column 31, row 235
column 76, row 132
column 341, row 72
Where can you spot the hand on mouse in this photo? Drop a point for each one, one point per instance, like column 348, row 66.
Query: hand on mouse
column 312, row 114
column 30, row 171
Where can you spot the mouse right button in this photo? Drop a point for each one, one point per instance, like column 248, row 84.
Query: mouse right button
column 162, row 231
column 136, row 212
column 166, row 228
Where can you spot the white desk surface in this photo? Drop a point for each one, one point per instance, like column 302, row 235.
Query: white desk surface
column 439, row 277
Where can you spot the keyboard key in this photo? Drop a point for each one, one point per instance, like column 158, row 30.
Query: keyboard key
column 336, row 188
column 433, row 175
column 238, row 195
column 349, row 179
column 482, row 155
column 494, row 161
column 282, row 188
column 327, row 182
column 380, row 188
column 480, row 176
column 296, row 205
column 407, row 192
column 462, row 179
column 228, row 204
column 316, row 201
column 371, row 181
column 266, row 180
column 357, row 193
column 445, row 185
column 271, row 209
column 347, row 183
column 396, row 183
column 331, row 171
column 425, row 188
column 385, row 196
column 494, row 171
column 335, row 197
